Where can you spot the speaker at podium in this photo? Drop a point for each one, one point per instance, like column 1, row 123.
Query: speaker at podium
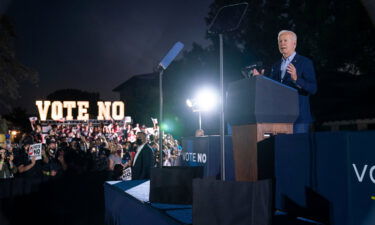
column 257, row 108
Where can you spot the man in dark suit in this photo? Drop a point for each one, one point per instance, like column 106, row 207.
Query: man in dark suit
column 143, row 160
column 298, row 72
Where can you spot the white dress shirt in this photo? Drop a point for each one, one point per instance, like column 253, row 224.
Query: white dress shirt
column 139, row 149
column 284, row 64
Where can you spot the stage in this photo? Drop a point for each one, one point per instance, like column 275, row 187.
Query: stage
column 323, row 176
column 126, row 203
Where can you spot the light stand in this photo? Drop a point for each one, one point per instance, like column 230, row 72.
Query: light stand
column 171, row 55
column 227, row 19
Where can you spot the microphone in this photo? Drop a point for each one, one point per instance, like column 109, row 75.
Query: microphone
column 251, row 66
column 247, row 71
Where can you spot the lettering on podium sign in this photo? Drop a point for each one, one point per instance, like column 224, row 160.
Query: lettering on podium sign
column 194, row 157
column 106, row 110
column 361, row 172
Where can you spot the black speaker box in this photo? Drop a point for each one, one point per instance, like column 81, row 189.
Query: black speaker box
column 232, row 202
column 173, row 185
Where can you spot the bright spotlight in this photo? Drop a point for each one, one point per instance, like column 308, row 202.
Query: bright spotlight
column 189, row 103
column 206, row 100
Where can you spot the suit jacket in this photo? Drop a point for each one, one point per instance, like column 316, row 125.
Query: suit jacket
column 142, row 167
column 305, row 84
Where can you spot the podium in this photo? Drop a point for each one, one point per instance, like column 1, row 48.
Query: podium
column 257, row 108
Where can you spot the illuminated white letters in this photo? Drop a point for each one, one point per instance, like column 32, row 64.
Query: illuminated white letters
column 118, row 110
column 82, row 110
column 69, row 105
column 202, row 158
column 372, row 174
column 361, row 176
column 106, row 110
column 56, row 110
column 43, row 110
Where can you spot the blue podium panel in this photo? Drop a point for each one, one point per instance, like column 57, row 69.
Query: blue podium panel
column 261, row 100
column 329, row 176
column 292, row 170
column 205, row 151
column 330, row 158
column 361, row 169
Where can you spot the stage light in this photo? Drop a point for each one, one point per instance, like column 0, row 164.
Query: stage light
column 14, row 132
column 189, row 103
column 205, row 100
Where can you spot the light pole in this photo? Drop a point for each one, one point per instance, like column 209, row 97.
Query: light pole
column 227, row 19
column 200, row 120
column 171, row 55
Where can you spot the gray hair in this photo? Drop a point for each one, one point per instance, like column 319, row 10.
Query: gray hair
column 294, row 35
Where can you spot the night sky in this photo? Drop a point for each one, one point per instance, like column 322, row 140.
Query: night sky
column 95, row 45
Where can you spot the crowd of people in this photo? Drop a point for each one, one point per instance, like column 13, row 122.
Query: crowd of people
column 84, row 147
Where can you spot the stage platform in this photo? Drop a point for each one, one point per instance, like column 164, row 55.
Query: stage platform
column 325, row 176
column 127, row 203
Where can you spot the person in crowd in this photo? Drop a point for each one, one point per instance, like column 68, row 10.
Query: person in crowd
column 26, row 138
column 7, row 168
column 60, row 158
column 117, row 173
column 126, row 158
column 199, row 133
column 26, row 166
column 83, row 144
column 133, row 150
column 298, row 72
column 131, row 136
column 50, row 166
column 166, row 159
column 68, row 148
column 137, row 128
column 167, row 154
column 115, row 157
column 154, row 146
column 143, row 159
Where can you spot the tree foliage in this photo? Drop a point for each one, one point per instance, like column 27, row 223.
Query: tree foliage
column 18, row 119
column 12, row 72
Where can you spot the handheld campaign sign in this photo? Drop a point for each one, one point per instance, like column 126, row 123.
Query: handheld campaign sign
column 154, row 120
column 32, row 119
column 127, row 174
column 128, row 119
column 36, row 150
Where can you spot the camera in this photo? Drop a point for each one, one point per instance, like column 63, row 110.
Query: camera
column 6, row 154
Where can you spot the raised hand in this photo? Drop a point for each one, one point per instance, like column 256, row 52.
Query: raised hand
column 255, row 72
column 292, row 71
